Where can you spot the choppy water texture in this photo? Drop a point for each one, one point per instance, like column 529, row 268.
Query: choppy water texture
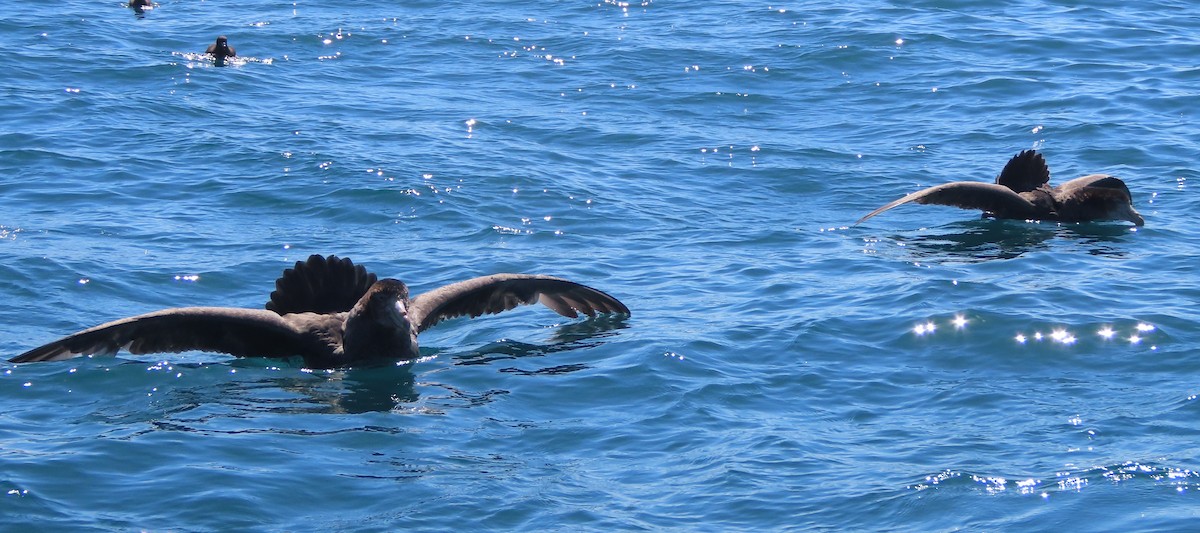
column 701, row 161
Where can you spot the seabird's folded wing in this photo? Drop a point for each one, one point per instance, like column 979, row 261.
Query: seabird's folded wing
column 501, row 292
column 1094, row 180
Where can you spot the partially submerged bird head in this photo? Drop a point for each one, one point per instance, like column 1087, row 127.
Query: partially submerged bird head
column 1100, row 198
column 1125, row 211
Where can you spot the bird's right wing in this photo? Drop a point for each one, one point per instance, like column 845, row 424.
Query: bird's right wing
column 239, row 332
column 990, row 197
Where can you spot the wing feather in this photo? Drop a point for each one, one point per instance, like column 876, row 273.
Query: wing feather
column 320, row 285
column 562, row 305
column 501, row 292
column 1025, row 172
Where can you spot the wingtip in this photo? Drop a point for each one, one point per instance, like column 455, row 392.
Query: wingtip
column 28, row 357
column 56, row 352
column 33, row 356
column 901, row 200
column 618, row 309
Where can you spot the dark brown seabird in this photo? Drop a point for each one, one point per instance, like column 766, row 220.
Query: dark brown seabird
column 221, row 49
column 1022, row 192
column 329, row 311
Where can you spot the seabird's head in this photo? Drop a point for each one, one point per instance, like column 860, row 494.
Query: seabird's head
column 1113, row 203
column 378, row 325
column 1099, row 197
column 1125, row 211
column 387, row 302
column 221, row 49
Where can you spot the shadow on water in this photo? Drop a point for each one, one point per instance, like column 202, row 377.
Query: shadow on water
column 364, row 389
column 1099, row 238
column 586, row 334
column 988, row 240
column 379, row 386
column 388, row 386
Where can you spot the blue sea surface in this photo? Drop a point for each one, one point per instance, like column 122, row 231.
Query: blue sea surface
column 704, row 162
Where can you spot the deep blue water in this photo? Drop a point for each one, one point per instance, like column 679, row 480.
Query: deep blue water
column 703, row 162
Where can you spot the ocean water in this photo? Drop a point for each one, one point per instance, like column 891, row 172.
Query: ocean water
column 783, row 369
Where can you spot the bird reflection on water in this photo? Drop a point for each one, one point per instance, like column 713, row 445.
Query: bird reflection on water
column 586, row 334
column 989, row 239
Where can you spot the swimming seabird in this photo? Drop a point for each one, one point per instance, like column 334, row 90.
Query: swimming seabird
column 221, row 49
column 329, row 311
column 1022, row 191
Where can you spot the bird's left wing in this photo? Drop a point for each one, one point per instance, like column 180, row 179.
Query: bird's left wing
column 1095, row 180
column 988, row 197
column 501, row 292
